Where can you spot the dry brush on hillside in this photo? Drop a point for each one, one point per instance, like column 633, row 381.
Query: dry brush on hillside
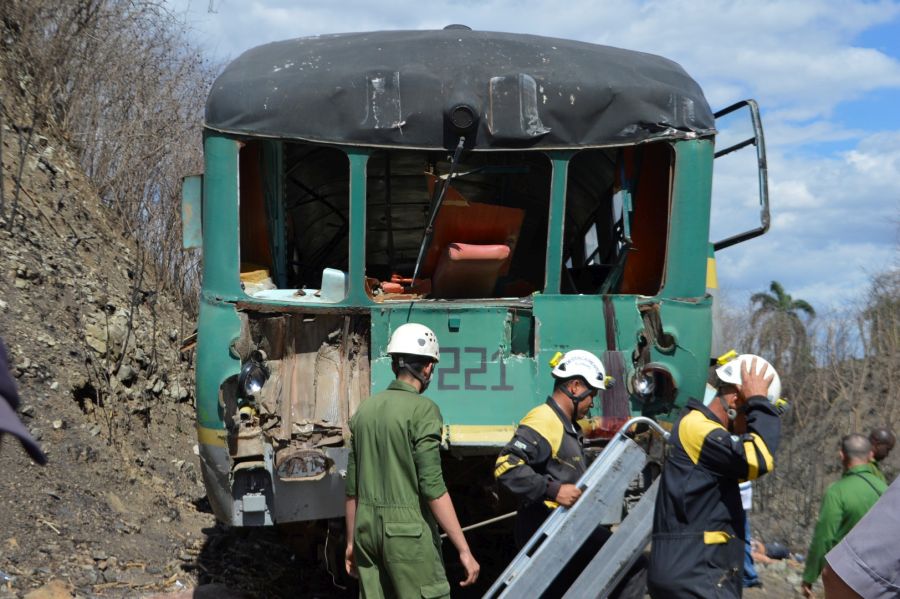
column 848, row 383
column 121, row 83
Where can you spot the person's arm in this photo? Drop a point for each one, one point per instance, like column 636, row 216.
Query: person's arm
column 762, row 420
column 426, row 437
column 350, row 507
column 712, row 447
column 350, row 517
column 445, row 514
column 514, row 466
column 824, row 537
column 744, row 457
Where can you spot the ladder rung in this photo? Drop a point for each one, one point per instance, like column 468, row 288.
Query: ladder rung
column 559, row 537
column 619, row 553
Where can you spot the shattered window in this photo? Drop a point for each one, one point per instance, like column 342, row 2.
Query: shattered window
column 489, row 233
column 295, row 221
column 616, row 225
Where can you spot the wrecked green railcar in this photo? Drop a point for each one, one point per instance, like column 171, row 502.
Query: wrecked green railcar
column 520, row 195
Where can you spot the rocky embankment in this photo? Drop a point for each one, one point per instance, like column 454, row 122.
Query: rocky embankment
column 94, row 341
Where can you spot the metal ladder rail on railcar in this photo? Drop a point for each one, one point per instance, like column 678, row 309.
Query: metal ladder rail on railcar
column 603, row 487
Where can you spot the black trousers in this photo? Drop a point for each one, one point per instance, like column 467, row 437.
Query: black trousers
column 682, row 566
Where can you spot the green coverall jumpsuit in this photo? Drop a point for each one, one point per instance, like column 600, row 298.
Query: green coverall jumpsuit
column 393, row 471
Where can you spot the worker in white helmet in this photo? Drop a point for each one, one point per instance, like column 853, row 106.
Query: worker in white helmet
column 545, row 458
column 393, row 473
column 698, row 524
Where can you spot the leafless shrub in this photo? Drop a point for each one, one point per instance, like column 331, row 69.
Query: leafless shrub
column 120, row 81
column 849, row 385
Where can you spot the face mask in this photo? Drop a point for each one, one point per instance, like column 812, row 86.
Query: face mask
column 709, row 394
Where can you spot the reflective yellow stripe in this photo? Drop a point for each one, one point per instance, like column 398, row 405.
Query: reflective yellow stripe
column 712, row 280
column 478, row 435
column 752, row 460
column 715, row 537
column 551, row 504
column 211, row 436
column 503, row 464
column 768, row 459
column 692, row 432
column 544, row 421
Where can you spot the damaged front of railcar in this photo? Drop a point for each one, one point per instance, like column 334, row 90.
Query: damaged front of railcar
column 519, row 195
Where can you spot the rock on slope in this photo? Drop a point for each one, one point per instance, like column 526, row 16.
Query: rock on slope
column 94, row 345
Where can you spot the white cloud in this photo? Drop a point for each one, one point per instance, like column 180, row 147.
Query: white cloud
column 835, row 214
column 835, row 222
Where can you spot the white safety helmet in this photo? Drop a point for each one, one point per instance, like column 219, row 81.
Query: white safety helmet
column 414, row 339
column 730, row 372
column 581, row 363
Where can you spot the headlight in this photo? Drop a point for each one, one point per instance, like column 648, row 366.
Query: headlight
column 654, row 380
column 253, row 376
column 644, row 384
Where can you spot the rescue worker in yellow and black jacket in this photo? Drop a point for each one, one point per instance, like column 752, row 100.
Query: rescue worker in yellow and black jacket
column 545, row 458
column 698, row 526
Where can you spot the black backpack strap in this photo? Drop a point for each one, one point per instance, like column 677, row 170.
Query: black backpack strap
column 868, row 482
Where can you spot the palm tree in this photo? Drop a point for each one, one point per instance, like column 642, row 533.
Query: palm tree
column 779, row 328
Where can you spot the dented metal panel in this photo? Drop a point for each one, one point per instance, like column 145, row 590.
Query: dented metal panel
column 393, row 88
column 513, row 110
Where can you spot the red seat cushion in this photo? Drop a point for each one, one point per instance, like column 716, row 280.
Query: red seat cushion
column 467, row 270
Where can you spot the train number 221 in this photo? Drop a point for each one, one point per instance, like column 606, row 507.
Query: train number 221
column 476, row 376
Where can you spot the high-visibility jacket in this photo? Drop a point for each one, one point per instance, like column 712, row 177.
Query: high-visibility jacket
column 544, row 453
column 698, row 525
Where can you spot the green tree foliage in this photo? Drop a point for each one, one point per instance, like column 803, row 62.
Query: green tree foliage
column 780, row 331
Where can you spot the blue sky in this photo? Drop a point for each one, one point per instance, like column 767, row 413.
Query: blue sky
column 826, row 75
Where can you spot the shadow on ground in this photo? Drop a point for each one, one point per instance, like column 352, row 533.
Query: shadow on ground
column 266, row 562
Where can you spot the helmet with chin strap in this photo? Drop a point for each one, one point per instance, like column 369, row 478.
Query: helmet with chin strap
column 413, row 339
column 583, row 365
column 579, row 362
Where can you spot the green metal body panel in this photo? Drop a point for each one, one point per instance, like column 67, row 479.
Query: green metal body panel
column 689, row 222
column 690, row 323
column 357, row 293
column 478, row 380
column 191, row 212
column 494, row 359
column 560, row 162
column 215, row 363
column 515, row 372
column 218, row 323
column 221, row 248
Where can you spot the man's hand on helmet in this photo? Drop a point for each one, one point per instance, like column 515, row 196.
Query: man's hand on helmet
column 754, row 381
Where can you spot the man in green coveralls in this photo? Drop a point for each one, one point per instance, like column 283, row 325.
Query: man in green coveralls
column 844, row 504
column 396, row 494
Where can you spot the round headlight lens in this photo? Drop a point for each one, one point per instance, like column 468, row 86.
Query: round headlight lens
column 644, row 384
column 252, row 378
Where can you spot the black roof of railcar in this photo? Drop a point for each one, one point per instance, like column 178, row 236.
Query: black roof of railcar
column 392, row 88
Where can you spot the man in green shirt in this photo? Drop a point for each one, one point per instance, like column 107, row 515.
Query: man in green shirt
column 844, row 504
column 882, row 440
column 396, row 495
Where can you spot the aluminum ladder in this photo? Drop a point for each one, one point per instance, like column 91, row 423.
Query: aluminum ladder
column 603, row 488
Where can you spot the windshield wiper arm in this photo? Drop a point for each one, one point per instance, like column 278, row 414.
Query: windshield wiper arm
column 429, row 228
